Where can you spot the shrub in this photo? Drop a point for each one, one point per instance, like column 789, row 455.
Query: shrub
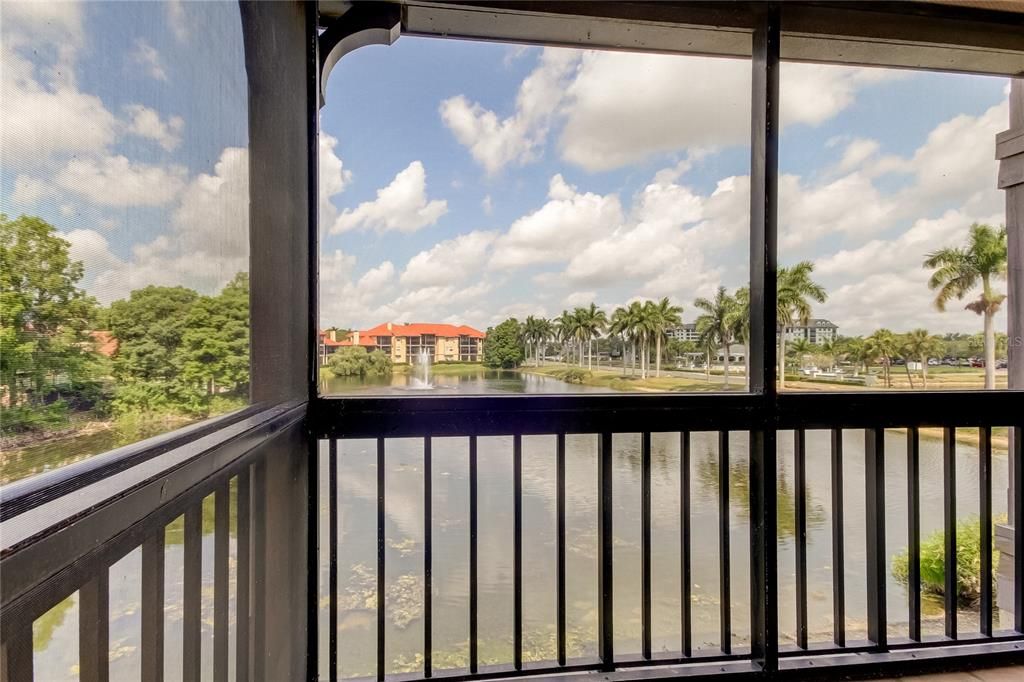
column 17, row 419
column 933, row 562
column 356, row 362
column 573, row 375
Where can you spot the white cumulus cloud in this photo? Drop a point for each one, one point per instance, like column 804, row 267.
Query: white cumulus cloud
column 116, row 181
column 145, row 122
column 402, row 206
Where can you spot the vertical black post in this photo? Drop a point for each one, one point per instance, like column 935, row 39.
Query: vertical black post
column 221, row 539
column 381, row 555
column 16, row 651
column 332, row 560
column 560, row 513
column 606, row 603
column 1017, row 456
column 874, row 502
column 645, row 543
column 724, row 563
column 94, row 629
column 192, row 590
column 985, row 521
column 764, row 163
column 153, row 607
column 949, row 523
column 242, row 581
column 517, row 551
column 473, row 587
column 686, row 622
column 838, row 543
column 428, row 558
column 800, row 504
column 914, row 531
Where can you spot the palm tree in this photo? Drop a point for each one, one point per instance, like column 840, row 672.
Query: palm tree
column 566, row 326
column 921, row 345
column 800, row 348
column 707, row 339
column 621, row 326
column 884, row 344
column 796, row 290
column 832, row 349
column 959, row 270
column 545, row 330
column 719, row 316
column 740, row 324
column 592, row 321
column 665, row 316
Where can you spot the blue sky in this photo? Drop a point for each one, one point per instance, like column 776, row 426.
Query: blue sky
column 467, row 182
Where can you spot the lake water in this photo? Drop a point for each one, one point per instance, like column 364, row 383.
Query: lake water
column 56, row 633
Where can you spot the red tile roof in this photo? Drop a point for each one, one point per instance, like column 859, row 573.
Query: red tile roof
column 104, row 343
column 368, row 336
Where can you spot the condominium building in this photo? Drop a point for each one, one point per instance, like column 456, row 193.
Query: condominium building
column 816, row 331
column 404, row 343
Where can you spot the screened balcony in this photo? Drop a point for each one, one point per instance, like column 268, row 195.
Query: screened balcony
column 553, row 517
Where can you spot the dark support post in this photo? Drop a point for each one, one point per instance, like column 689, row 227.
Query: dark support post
column 428, row 558
column 381, row 557
column 221, row 546
column 686, row 621
column 1010, row 153
column 94, row 629
column 985, row 521
column 517, row 552
column 192, row 590
column 724, row 563
column 1017, row 457
column 281, row 67
column 949, row 525
column 764, row 166
column 243, row 620
column 332, row 560
column 560, row 513
column 800, row 512
column 838, row 543
column 874, row 501
column 645, row 544
column 914, row 532
column 153, row 607
column 16, row 652
column 606, row 603
column 473, row 585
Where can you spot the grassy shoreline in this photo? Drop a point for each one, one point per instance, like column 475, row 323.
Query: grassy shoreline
column 614, row 380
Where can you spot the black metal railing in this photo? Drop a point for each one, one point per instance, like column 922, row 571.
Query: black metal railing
column 88, row 522
column 338, row 421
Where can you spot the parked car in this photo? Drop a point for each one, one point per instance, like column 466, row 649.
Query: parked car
column 934, row 362
column 977, row 362
column 1001, row 364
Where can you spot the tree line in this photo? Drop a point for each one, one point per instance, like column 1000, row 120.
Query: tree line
column 177, row 351
column 641, row 328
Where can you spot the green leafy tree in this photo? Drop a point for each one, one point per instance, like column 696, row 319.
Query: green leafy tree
column 150, row 325
column 355, row 361
column 919, row 345
column 44, row 314
column 215, row 343
column 957, row 271
column 885, row 345
column 502, row 347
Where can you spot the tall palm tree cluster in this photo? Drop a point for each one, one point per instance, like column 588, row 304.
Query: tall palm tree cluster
column 642, row 327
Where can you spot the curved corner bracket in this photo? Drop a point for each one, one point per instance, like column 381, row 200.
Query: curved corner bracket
column 366, row 23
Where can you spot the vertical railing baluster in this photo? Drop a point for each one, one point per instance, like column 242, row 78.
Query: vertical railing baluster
column 645, row 543
column 985, row 521
column 686, row 622
column 153, row 607
column 473, row 586
column 949, row 523
column 192, row 590
column 94, row 628
column 258, row 583
column 221, row 545
column 332, row 560
column 838, row 543
column 242, row 581
column 874, row 512
column 16, row 651
column 560, row 513
column 1017, row 456
column 517, row 551
column 800, row 511
column 428, row 558
column 381, row 552
column 724, row 563
column 914, row 531
column 606, row 603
